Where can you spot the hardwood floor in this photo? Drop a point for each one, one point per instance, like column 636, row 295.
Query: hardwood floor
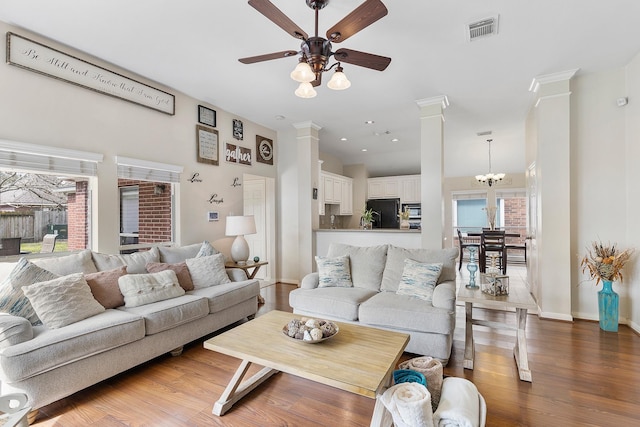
column 581, row 377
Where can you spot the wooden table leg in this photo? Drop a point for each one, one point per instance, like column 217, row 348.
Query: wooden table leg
column 237, row 389
column 520, row 349
column 469, row 350
column 381, row 416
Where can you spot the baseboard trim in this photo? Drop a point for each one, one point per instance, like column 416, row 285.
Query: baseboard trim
column 555, row 316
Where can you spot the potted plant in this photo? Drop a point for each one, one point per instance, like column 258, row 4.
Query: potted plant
column 604, row 263
column 404, row 219
column 366, row 219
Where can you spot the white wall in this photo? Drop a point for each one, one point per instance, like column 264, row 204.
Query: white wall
column 598, row 181
column 632, row 154
column 287, row 189
column 41, row 110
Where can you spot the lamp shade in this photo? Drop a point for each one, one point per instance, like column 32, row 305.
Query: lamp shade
column 303, row 73
column 339, row 81
column 240, row 225
column 306, row 90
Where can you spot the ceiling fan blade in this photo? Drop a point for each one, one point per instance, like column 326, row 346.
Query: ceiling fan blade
column 268, row 56
column 361, row 17
column 276, row 16
column 362, row 59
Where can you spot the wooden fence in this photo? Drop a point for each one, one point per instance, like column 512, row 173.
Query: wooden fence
column 31, row 226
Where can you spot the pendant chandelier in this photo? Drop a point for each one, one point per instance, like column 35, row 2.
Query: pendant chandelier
column 490, row 178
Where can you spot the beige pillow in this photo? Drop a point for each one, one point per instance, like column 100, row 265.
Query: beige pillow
column 180, row 268
column 141, row 289
column 207, row 271
column 104, row 286
column 62, row 301
column 135, row 262
column 172, row 254
column 78, row 262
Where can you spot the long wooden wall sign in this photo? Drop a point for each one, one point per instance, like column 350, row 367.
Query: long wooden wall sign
column 33, row 56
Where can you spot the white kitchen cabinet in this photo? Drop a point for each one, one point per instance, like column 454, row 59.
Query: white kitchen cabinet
column 383, row 188
column 337, row 190
column 346, row 206
column 410, row 189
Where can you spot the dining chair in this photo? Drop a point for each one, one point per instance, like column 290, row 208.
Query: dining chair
column 465, row 242
column 493, row 242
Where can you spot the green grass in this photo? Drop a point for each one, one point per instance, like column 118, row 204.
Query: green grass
column 61, row 246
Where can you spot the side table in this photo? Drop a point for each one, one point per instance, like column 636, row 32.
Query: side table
column 255, row 266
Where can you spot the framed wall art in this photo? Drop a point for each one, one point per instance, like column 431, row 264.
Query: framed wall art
column 238, row 130
column 237, row 154
column 264, row 150
column 207, row 145
column 33, row 56
column 206, row 116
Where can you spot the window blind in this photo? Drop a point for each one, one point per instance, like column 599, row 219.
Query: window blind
column 144, row 170
column 37, row 158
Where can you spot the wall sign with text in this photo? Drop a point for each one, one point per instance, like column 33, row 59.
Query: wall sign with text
column 264, row 150
column 33, row 56
column 237, row 154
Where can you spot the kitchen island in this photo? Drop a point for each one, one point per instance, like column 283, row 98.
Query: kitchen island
column 411, row 239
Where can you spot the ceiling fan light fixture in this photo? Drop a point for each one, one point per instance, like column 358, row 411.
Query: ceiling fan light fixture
column 305, row 90
column 303, row 72
column 339, row 80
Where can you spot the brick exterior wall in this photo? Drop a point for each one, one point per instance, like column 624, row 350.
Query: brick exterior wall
column 154, row 210
column 515, row 217
column 77, row 217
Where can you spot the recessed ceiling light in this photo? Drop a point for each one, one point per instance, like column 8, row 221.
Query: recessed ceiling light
column 343, row 139
column 369, row 122
column 364, row 149
column 395, row 140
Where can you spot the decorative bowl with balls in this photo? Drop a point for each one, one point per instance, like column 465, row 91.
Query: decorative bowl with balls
column 310, row 331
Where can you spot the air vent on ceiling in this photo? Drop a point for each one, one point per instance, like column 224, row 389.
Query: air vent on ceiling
column 482, row 28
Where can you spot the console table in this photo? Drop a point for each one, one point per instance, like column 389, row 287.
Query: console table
column 521, row 300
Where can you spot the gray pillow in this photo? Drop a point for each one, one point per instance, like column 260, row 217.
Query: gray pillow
column 79, row 262
column 366, row 262
column 136, row 262
column 395, row 264
column 207, row 271
column 12, row 299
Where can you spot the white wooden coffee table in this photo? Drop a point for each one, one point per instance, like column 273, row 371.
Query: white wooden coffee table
column 358, row 359
column 520, row 299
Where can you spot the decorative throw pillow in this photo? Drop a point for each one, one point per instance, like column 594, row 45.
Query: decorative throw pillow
column 135, row 262
column 180, row 268
column 207, row 271
column 77, row 262
column 12, row 299
column 104, row 286
column 63, row 301
column 365, row 262
column 334, row 272
column 419, row 279
column 141, row 289
column 395, row 264
column 206, row 250
column 174, row 254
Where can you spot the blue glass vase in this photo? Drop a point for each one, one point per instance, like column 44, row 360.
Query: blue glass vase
column 608, row 307
column 472, row 267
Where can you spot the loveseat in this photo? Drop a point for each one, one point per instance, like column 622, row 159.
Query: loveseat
column 93, row 327
column 388, row 287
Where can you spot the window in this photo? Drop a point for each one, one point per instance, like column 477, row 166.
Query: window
column 147, row 212
column 44, row 190
column 468, row 211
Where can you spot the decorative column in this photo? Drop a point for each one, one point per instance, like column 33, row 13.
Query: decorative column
column 307, row 137
column 552, row 257
column 432, row 170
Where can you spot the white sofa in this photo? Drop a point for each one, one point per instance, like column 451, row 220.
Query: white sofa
column 48, row 364
column 373, row 298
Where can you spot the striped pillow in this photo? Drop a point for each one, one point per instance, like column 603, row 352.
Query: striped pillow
column 419, row 279
column 334, row 272
column 12, row 299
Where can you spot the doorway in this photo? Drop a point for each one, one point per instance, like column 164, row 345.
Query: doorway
column 259, row 201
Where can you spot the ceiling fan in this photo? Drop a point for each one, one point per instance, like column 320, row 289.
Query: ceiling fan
column 315, row 51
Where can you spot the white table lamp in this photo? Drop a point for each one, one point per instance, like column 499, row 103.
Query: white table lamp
column 239, row 226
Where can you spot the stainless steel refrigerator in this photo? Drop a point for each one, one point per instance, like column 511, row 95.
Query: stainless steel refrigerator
column 385, row 212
